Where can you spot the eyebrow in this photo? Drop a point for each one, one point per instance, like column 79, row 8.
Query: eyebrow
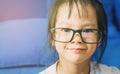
column 63, row 24
column 83, row 25
column 89, row 25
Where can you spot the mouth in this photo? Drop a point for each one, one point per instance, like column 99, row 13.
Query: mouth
column 77, row 50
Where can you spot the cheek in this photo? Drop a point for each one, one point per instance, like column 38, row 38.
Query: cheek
column 91, row 48
column 60, row 46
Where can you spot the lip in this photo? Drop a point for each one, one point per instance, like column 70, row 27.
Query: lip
column 78, row 50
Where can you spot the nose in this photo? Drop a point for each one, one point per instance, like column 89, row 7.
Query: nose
column 76, row 38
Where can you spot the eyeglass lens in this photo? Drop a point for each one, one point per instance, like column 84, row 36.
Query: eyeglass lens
column 66, row 35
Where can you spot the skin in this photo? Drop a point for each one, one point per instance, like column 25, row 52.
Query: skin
column 74, row 56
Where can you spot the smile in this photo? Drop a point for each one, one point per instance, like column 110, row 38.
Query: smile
column 77, row 50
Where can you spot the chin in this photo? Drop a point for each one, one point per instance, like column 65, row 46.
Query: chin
column 78, row 60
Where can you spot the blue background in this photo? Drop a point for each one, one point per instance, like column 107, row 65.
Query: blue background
column 24, row 47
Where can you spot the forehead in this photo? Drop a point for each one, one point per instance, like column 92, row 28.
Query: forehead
column 77, row 13
column 76, row 9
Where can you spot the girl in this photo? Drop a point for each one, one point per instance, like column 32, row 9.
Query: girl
column 77, row 28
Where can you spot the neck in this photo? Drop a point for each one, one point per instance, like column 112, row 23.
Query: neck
column 68, row 68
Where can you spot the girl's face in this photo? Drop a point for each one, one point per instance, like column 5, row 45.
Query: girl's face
column 75, row 51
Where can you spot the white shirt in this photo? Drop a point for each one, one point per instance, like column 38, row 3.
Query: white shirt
column 103, row 69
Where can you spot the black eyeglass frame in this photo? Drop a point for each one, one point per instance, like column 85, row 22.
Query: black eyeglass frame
column 78, row 31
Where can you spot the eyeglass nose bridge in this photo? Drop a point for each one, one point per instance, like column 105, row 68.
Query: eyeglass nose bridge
column 77, row 31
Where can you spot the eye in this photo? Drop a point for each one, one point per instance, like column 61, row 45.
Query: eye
column 65, row 30
column 88, row 30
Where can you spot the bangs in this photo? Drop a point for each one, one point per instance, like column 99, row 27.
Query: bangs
column 82, row 3
column 71, row 3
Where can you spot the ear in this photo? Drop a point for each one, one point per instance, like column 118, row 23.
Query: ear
column 98, row 44
column 53, row 43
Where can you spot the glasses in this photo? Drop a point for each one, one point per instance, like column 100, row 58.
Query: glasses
column 89, row 36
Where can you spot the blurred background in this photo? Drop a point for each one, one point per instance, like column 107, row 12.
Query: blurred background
column 24, row 45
